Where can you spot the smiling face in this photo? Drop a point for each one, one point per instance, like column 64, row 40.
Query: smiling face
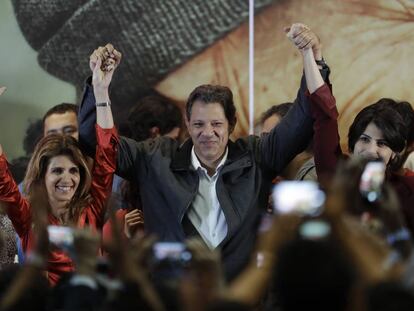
column 209, row 131
column 62, row 180
column 372, row 145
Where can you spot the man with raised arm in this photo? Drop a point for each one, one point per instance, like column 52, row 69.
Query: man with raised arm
column 209, row 186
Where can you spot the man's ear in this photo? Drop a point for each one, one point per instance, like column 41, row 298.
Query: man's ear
column 232, row 127
column 187, row 123
column 154, row 132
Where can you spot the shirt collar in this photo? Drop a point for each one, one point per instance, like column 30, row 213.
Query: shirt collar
column 196, row 163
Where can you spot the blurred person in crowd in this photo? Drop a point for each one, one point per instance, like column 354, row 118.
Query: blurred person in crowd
column 210, row 186
column 25, row 287
column 8, row 246
column 76, row 196
column 302, row 167
column 34, row 133
column 8, row 249
column 390, row 296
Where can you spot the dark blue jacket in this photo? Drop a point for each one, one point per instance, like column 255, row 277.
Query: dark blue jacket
column 168, row 183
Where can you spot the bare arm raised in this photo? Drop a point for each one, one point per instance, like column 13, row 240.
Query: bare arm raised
column 103, row 62
column 305, row 40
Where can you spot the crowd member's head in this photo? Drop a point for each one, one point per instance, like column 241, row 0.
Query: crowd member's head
column 61, row 119
column 390, row 296
column 406, row 111
column 210, row 119
column 227, row 305
column 59, row 165
column 272, row 116
column 379, row 133
column 297, row 168
column 313, row 275
column 154, row 116
column 34, row 298
column 34, row 133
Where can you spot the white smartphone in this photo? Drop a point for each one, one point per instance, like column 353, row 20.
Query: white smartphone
column 61, row 236
column 372, row 180
column 303, row 197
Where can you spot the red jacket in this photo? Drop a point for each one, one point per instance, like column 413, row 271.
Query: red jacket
column 19, row 209
column 327, row 150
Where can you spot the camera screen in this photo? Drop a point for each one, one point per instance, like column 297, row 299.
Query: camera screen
column 172, row 251
column 60, row 236
column 372, row 180
column 303, row 197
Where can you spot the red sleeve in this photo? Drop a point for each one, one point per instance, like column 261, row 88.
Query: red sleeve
column 17, row 208
column 103, row 171
column 326, row 146
column 107, row 228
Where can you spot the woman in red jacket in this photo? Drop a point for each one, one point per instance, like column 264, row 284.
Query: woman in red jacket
column 76, row 196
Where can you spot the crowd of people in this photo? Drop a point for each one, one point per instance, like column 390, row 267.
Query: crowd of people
column 166, row 212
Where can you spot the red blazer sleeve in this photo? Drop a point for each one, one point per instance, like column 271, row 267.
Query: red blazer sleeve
column 102, row 173
column 17, row 207
column 326, row 142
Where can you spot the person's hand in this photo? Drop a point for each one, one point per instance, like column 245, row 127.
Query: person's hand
column 343, row 192
column 205, row 262
column 133, row 221
column 40, row 202
column 2, row 90
column 86, row 244
column 304, row 38
column 260, row 268
column 1, row 149
column 103, row 62
column 203, row 281
column 109, row 56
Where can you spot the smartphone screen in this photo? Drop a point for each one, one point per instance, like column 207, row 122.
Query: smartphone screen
column 303, row 197
column 372, row 180
column 171, row 251
column 60, row 236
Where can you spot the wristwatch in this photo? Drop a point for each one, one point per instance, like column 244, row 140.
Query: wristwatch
column 103, row 104
column 322, row 63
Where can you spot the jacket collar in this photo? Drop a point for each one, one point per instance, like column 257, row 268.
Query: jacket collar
column 182, row 158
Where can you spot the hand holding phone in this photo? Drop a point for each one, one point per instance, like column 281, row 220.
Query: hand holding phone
column 372, row 180
column 61, row 237
column 303, row 197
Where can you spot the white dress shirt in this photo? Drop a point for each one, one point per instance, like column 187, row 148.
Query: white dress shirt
column 205, row 212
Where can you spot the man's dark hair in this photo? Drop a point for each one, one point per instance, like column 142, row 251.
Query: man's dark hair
column 209, row 94
column 280, row 110
column 153, row 111
column 18, row 168
column 34, row 133
column 61, row 109
column 384, row 117
column 312, row 275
